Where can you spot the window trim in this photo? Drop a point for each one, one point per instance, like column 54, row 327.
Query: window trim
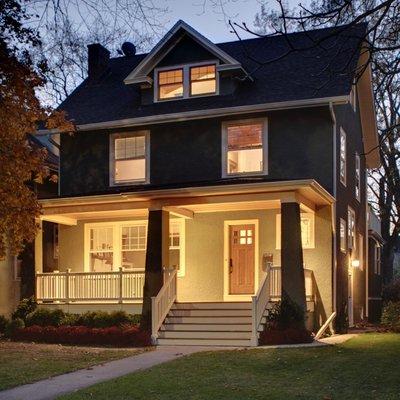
column 342, row 222
column 353, row 244
column 278, row 230
column 112, row 160
column 357, row 179
column 224, row 146
column 117, row 241
column 353, row 97
column 186, row 80
column 343, row 179
column 158, row 85
column 201, row 80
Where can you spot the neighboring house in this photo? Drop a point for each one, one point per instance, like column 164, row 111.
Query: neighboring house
column 375, row 243
column 214, row 154
column 17, row 273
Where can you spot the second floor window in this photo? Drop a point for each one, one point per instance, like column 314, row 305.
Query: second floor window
column 351, row 228
column 358, row 178
column 343, row 158
column 244, row 148
column 128, row 158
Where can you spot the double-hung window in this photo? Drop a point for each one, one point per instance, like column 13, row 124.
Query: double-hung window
column 244, row 148
column 307, row 226
column 358, row 178
column 343, row 235
column 186, row 81
column 128, row 158
column 101, row 248
column 343, row 157
column 351, row 228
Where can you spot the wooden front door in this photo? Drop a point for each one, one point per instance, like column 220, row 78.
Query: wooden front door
column 241, row 259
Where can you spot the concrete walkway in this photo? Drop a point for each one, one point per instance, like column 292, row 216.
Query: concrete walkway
column 53, row 387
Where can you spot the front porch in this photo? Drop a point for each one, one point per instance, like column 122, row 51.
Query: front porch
column 220, row 240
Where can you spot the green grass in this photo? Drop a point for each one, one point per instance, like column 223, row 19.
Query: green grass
column 22, row 363
column 366, row 367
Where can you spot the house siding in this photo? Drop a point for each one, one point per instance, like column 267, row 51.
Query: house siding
column 350, row 121
column 189, row 153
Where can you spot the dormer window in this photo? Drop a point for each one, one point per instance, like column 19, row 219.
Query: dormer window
column 170, row 84
column 185, row 81
column 202, row 80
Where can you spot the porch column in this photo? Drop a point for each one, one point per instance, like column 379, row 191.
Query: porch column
column 39, row 248
column 293, row 284
column 157, row 257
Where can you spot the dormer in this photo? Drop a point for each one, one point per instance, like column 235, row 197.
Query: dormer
column 185, row 65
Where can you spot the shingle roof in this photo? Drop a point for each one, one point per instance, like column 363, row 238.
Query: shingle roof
column 320, row 72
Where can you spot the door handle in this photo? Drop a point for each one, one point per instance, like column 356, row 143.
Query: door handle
column 230, row 266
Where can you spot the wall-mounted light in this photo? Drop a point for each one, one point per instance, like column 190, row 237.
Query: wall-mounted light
column 355, row 263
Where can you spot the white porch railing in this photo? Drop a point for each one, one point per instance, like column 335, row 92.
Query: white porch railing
column 276, row 283
column 162, row 303
column 66, row 287
column 259, row 304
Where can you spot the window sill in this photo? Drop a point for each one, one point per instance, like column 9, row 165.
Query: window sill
column 129, row 183
column 245, row 174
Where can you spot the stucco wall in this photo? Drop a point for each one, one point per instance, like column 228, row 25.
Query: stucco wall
column 9, row 288
column 204, row 248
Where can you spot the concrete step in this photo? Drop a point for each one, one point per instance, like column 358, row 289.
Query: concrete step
column 204, row 342
column 203, row 335
column 213, row 306
column 209, row 313
column 207, row 327
column 172, row 319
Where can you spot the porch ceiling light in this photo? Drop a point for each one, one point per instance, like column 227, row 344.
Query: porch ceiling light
column 355, row 263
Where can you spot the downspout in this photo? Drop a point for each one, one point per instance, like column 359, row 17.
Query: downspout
column 334, row 166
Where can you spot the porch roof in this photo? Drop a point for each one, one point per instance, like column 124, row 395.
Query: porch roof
column 187, row 201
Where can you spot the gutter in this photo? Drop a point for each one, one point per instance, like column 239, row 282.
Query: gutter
column 209, row 113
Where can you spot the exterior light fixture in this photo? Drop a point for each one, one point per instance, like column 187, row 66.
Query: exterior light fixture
column 355, row 263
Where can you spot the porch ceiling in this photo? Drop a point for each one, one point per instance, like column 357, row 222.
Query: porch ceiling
column 263, row 195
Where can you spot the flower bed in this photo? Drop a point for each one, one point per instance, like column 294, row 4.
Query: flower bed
column 285, row 336
column 130, row 336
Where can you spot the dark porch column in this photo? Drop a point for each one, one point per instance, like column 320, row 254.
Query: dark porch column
column 157, row 257
column 293, row 284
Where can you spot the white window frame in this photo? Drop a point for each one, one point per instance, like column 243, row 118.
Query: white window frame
column 310, row 216
column 351, row 244
column 343, row 157
column 377, row 259
column 353, row 97
column 117, row 241
column 182, row 244
column 118, row 135
column 224, row 146
column 357, row 172
column 343, row 239
column 186, row 80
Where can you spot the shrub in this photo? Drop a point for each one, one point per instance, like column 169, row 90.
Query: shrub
column 285, row 325
column 82, row 335
column 3, row 323
column 286, row 314
column 13, row 326
column 391, row 316
column 45, row 317
column 102, row 319
column 25, row 307
column 391, row 291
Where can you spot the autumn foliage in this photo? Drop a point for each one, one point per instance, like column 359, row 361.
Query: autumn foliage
column 21, row 113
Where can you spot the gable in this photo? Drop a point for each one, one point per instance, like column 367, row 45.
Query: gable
column 186, row 51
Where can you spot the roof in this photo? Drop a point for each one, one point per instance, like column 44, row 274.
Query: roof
column 52, row 159
column 301, row 75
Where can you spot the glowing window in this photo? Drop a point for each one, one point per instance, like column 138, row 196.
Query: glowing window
column 129, row 158
column 358, row 178
column 343, row 158
column 244, row 148
column 342, row 235
column 351, row 228
column 101, row 249
column 202, row 80
column 170, row 84
column 133, row 246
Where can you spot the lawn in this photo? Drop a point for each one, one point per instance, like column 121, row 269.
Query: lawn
column 366, row 367
column 28, row 362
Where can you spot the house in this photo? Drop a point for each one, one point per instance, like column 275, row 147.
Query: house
column 195, row 160
column 17, row 274
column 375, row 281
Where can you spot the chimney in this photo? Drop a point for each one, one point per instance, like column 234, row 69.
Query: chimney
column 98, row 57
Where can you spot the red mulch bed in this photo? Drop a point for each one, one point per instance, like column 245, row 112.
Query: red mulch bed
column 285, row 336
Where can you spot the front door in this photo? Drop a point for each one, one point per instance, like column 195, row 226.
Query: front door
column 241, row 259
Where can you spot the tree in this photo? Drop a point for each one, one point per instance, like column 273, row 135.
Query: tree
column 20, row 114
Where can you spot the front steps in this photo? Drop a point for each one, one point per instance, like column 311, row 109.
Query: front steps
column 207, row 324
